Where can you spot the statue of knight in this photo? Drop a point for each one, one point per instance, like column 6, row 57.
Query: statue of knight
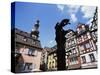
column 60, row 40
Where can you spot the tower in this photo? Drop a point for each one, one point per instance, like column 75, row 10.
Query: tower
column 35, row 31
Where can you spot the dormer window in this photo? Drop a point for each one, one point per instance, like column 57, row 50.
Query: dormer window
column 24, row 39
column 81, row 31
column 83, row 27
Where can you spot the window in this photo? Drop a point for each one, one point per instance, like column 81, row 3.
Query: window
column 74, row 60
column 88, row 35
column 96, row 23
column 52, row 61
column 80, row 39
column 85, row 37
column 28, row 67
column 74, row 51
column 49, row 64
column 73, row 42
column 34, row 36
column 33, row 42
column 30, row 51
column 87, row 45
column 35, row 52
column 53, row 64
column 24, row 39
column 93, row 35
column 83, row 28
column 69, row 43
column 92, row 57
column 81, row 31
column 33, row 66
column 83, row 59
column 25, row 50
column 81, row 47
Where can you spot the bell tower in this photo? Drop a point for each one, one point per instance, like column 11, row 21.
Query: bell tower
column 35, row 30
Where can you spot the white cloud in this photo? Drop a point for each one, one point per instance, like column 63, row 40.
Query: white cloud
column 88, row 11
column 51, row 43
column 70, row 8
column 73, row 17
column 60, row 7
column 73, row 8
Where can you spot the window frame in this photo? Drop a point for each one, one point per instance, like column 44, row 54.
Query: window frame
column 83, row 59
column 92, row 57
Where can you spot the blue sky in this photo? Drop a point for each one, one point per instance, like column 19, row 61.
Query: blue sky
column 26, row 15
